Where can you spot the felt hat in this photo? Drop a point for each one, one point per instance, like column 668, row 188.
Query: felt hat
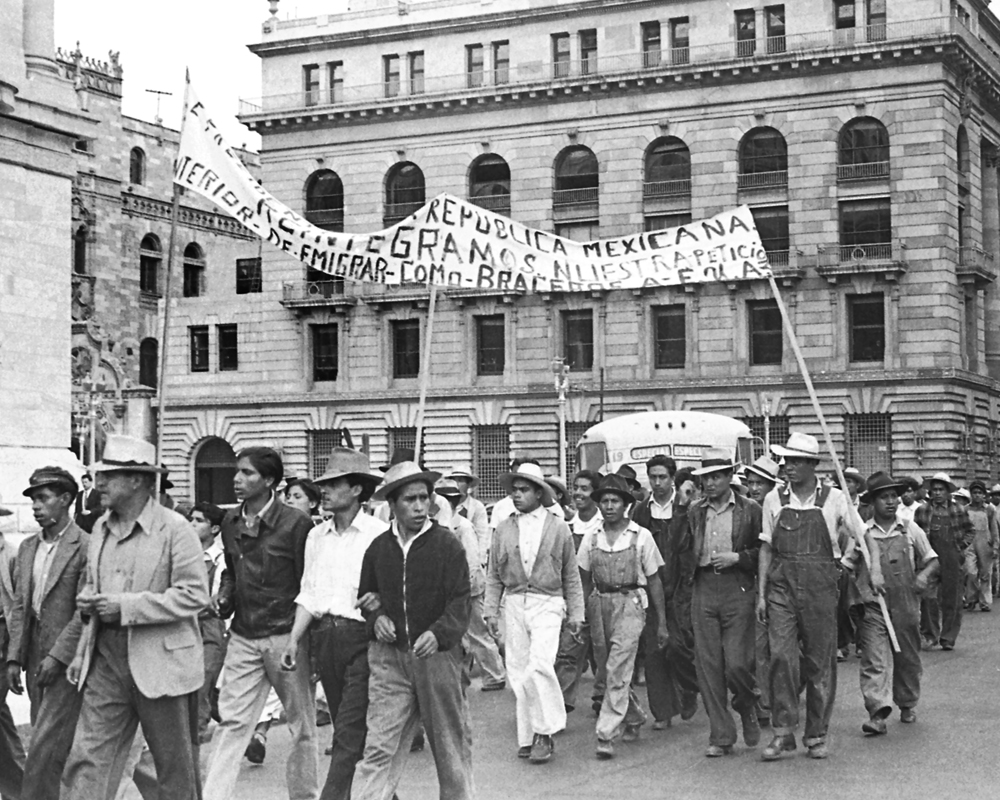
column 914, row 482
column 767, row 468
column 446, row 487
column 631, row 477
column 854, row 474
column 399, row 455
column 977, row 484
column 401, row 474
column 879, row 482
column 126, row 453
column 716, row 459
column 532, row 473
column 613, row 484
column 49, row 476
column 344, row 461
column 799, row 445
column 465, row 474
column 941, row 477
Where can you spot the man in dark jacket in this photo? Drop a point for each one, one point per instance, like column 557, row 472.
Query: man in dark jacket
column 414, row 589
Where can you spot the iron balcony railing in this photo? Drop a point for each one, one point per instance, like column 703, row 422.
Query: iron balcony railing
column 762, row 180
column 652, row 190
column 399, row 211
column 575, row 197
column 312, row 291
column 881, row 251
column 778, row 258
column 976, row 258
column 493, row 202
column 873, row 170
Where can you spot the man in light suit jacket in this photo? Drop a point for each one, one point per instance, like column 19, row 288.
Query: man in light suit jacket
column 11, row 751
column 140, row 659
column 45, row 627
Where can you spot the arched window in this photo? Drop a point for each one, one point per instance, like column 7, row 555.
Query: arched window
column 667, row 169
column 863, row 150
column 194, row 271
column 80, row 250
column 214, row 470
column 763, row 159
column 577, row 178
column 489, row 183
column 149, row 362
column 325, row 200
column 150, row 255
column 404, row 192
column 137, row 166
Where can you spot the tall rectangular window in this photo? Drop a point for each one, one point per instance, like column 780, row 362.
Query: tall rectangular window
column 417, row 73
column 866, row 322
column 660, row 222
column 560, row 55
column 501, row 62
column 868, row 445
column 405, row 348
column 335, row 81
column 249, row 279
column 310, row 83
column 198, row 346
column 766, row 341
column 390, row 75
column 474, row 65
column 876, row 20
column 774, row 19
column 844, row 14
column 865, row 230
column 772, row 225
column 149, row 272
column 651, row 44
column 229, row 354
column 490, row 458
column 320, row 445
column 325, row 352
column 746, row 32
column 490, row 345
column 588, row 52
column 670, row 341
column 680, row 40
column 194, row 279
column 578, row 339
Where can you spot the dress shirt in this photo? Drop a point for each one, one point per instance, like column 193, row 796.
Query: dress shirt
column 649, row 556
column 333, row 566
column 907, row 511
column 718, row 530
column 405, row 544
column 40, row 569
column 529, row 528
column 116, row 564
column 215, row 555
column 836, row 513
column 505, row 507
column 666, row 511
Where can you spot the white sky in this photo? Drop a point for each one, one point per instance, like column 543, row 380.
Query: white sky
column 210, row 37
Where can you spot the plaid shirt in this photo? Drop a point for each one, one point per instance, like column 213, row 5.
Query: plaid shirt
column 960, row 525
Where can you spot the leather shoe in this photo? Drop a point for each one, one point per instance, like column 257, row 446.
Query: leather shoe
column 541, row 749
column 605, row 749
column 717, row 750
column 779, row 744
column 819, row 750
column 689, row 706
column 661, row 724
column 493, row 687
column 907, row 715
column 524, row 752
column 751, row 728
column 257, row 749
column 631, row 733
column 874, row 726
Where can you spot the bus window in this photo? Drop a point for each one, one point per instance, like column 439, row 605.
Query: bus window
column 592, row 455
column 745, row 449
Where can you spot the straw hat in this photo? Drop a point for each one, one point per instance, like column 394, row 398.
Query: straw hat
column 941, row 477
column 557, row 484
column 854, row 474
column 800, row 445
column 446, row 487
column 767, row 468
column 344, row 461
column 613, row 484
column 401, row 474
column 716, row 459
column 962, row 494
column 532, row 473
column 4, row 511
column 879, row 482
column 126, row 453
column 465, row 474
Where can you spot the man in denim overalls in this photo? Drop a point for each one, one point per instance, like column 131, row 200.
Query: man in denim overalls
column 797, row 595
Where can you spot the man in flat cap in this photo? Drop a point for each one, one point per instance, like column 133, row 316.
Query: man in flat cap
column 45, row 627
column 11, row 750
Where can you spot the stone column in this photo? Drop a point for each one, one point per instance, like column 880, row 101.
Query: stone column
column 40, row 35
column 991, row 244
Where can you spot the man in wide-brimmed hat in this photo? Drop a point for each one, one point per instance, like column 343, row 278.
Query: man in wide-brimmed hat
column 533, row 567
column 950, row 532
column 621, row 571
column 504, row 507
column 419, row 573
column 983, row 550
column 725, row 531
column 908, row 564
column 139, row 660
column 328, row 603
column 472, row 508
column 797, row 595
column 45, row 626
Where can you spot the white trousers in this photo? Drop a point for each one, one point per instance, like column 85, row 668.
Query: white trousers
column 533, row 625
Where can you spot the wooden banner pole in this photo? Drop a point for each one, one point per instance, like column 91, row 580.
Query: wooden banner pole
column 425, row 373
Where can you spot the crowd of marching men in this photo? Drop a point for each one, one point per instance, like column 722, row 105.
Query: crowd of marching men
column 367, row 599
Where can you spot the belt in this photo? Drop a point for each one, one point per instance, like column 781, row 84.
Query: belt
column 334, row 621
column 713, row 568
column 617, row 589
column 115, row 627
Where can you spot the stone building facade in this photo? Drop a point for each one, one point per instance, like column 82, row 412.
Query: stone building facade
column 862, row 134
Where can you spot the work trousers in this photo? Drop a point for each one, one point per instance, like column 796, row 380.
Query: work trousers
column 723, row 612
column 112, row 710
column 533, row 625
column 671, row 675
column 253, row 667
column 403, row 692
column 979, row 571
column 941, row 609
column 763, row 650
column 11, row 751
column 887, row 677
column 483, row 646
column 571, row 661
column 214, row 640
column 616, row 623
column 342, row 658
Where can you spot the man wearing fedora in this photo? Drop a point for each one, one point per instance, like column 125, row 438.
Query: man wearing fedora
column 983, row 550
column 139, row 661
column 950, row 532
column 328, row 603
column 419, row 573
column 45, row 627
column 725, row 531
column 621, row 571
column 533, row 568
column 504, row 507
column 797, row 595
column 11, row 750
column 888, row 677
column 472, row 508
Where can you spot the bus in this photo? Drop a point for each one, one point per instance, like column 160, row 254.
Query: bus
column 683, row 435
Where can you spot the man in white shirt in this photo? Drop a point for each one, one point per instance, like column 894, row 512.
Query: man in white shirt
column 327, row 601
column 472, row 509
column 504, row 507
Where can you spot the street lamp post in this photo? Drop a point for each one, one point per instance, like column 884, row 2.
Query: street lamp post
column 560, row 374
column 765, row 407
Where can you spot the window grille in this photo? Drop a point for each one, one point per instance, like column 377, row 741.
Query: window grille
column 320, row 445
column 868, row 445
column 491, row 456
column 405, row 437
column 779, row 432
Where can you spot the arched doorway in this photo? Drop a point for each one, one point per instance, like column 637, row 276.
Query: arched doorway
column 214, row 469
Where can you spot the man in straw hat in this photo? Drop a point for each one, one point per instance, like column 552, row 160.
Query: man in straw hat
column 888, row 677
column 327, row 602
column 725, row 530
column 45, row 627
column 139, row 660
column 11, row 750
column 471, row 507
column 950, row 532
column 621, row 572
column 419, row 573
column 980, row 554
column 533, row 567
column 797, row 595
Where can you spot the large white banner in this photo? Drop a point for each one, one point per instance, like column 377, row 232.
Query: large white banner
column 452, row 243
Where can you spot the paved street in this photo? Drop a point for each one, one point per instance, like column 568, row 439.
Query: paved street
column 950, row 752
